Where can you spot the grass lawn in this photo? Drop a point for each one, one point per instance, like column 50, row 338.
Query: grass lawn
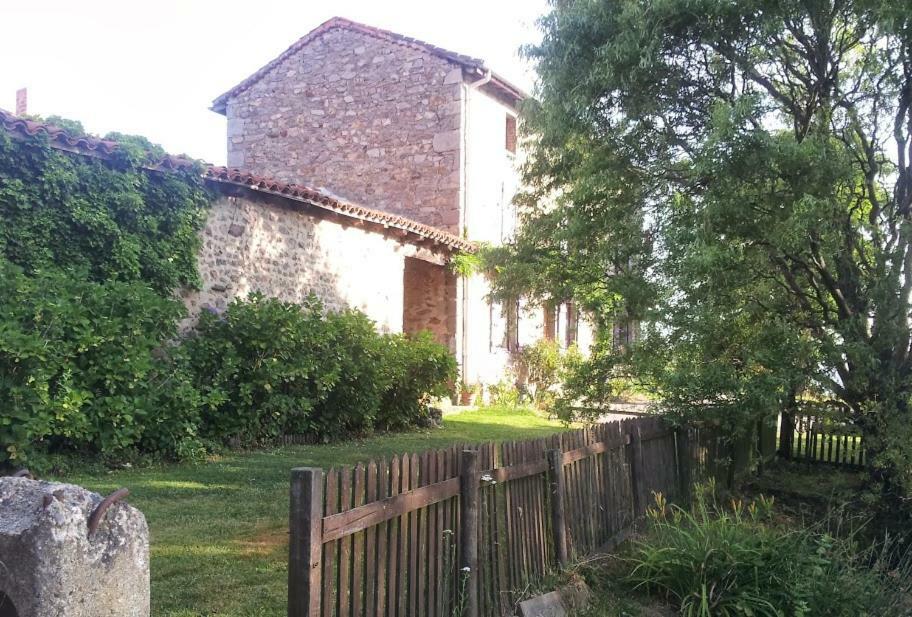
column 219, row 529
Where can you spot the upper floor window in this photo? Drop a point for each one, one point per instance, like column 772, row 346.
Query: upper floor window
column 572, row 324
column 551, row 321
column 510, row 142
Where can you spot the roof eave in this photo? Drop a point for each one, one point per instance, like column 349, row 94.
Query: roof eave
column 220, row 103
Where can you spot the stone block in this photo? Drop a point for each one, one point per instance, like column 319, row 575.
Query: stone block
column 446, row 141
column 454, row 77
column 50, row 565
column 545, row 605
column 567, row 600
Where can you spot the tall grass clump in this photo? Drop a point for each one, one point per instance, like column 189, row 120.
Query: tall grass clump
column 738, row 561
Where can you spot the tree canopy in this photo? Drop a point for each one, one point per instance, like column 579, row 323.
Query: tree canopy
column 738, row 175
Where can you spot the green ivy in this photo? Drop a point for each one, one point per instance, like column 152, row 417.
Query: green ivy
column 91, row 252
column 113, row 219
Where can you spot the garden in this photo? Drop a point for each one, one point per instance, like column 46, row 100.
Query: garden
column 220, row 528
column 92, row 361
column 723, row 189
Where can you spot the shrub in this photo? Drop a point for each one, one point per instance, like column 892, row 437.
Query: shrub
column 504, row 394
column 541, row 363
column 269, row 368
column 354, row 402
column 263, row 365
column 81, row 367
column 416, row 370
column 736, row 561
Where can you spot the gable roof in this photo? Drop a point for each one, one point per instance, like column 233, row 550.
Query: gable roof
column 323, row 200
column 297, row 195
column 475, row 66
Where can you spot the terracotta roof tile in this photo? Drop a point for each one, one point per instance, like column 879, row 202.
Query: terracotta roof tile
column 329, row 202
column 473, row 64
column 103, row 148
column 57, row 136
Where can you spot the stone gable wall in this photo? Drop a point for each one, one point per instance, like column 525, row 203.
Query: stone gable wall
column 375, row 122
column 283, row 252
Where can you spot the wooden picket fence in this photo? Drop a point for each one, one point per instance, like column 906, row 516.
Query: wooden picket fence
column 465, row 530
column 823, row 437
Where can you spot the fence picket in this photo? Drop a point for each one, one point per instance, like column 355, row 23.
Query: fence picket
column 345, row 547
column 389, row 538
column 359, row 541
column 392, row 546
column 329, row 549
column 370, row 552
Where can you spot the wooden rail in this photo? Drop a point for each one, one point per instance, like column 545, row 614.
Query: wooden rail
column 465, row 529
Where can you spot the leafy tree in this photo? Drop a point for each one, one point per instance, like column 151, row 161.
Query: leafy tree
column 740, row 175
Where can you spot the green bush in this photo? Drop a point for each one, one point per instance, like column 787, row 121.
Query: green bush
column 91, row 252
column 263, row 366
column 268, row 368
column 541, row 363
column 545, row 366
column 416, row 370
column 359, row 360
column 737, row 562
column 81, row 367
column 504, row 394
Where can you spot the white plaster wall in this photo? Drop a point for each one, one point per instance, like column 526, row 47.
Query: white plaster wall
column 490, row 180
column 283, row 252
column 491, row 173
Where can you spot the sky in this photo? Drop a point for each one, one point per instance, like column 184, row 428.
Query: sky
column 153, row 68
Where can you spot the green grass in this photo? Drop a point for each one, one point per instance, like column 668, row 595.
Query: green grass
column 219, row 529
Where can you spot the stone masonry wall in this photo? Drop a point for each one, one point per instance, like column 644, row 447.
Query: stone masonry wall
column 375, row 122
column 285, row 253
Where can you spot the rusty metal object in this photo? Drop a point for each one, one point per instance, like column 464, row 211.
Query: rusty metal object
column 99, row 511
column 24, row 473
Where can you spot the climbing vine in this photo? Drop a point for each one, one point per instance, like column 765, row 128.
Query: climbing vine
column 109, row 219
column 91, row 361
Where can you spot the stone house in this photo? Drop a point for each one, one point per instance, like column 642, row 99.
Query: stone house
column 406, row 128
column 288, row 241
column 359, row 163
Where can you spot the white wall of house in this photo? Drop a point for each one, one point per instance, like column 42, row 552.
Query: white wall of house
column 491, row 180
column 285, row 252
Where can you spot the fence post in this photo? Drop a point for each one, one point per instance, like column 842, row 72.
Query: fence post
column 305, row 542
column 633, row 453
column 683, row 453
column 558, row 516
column 468, row 531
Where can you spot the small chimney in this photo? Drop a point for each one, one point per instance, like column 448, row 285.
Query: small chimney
column 21, row 101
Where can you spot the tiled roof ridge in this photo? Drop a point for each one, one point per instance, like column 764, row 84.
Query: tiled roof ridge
column 322, row 199
column 469, row 62
column 58, row 136
column 93, row 146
